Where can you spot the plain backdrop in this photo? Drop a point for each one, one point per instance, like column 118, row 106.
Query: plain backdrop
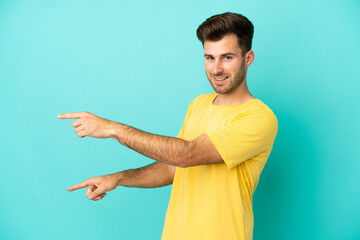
column 140, row 63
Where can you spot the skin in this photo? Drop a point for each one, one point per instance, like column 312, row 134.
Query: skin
column 226, row 69
column 223, row 59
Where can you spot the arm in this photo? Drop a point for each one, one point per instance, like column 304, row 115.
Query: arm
column 168, row 150
column 150, row 176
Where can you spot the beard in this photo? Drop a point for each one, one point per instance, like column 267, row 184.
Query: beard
column 231, row 83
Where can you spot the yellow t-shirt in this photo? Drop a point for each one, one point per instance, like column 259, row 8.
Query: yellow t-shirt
column 214, row 201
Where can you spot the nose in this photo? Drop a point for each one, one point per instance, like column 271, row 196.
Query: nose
column 217, row 68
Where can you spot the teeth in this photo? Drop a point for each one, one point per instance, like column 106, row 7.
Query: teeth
column 220, row 79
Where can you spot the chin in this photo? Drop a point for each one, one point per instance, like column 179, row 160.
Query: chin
column 221, row 91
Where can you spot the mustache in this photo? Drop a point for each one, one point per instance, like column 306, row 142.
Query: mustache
column 219, row 74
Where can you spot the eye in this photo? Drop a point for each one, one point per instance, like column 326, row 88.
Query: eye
column 209, row 58
column 228, row 58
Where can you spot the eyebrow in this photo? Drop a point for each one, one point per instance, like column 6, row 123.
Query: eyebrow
column 222, row 55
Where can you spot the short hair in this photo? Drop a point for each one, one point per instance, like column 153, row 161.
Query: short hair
column 216, row 27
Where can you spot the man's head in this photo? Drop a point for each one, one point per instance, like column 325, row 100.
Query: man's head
column 227, row 45
column 217, row 26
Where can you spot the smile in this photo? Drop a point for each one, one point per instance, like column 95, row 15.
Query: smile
column 221, row 79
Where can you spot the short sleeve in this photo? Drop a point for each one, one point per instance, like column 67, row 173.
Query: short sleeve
column 244, row 137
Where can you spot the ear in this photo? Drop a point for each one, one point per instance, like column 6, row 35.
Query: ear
column 249, row 58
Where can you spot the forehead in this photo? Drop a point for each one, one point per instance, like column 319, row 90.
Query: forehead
column 228, row 43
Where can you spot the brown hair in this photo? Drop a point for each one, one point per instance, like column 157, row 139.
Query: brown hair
column 217, row 26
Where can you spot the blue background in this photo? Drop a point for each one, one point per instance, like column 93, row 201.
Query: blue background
column 140, row 63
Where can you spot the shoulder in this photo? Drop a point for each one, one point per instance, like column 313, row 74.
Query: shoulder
column 203, row 99
column 255, row 112
column 261, row 107
column 258, row 113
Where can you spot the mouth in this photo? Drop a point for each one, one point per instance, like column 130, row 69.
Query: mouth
column 220, row 79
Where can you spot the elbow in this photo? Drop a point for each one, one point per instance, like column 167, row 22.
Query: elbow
column 186, row 158
column 181, row 163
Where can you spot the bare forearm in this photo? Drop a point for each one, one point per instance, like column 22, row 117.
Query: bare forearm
column 169, row 150
column 150, row 176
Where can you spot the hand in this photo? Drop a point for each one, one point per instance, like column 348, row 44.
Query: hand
column 88, row 124
column 97, row 186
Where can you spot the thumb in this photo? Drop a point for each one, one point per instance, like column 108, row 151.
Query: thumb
column 96, row 193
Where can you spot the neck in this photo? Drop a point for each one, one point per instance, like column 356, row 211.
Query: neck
column 238, row 96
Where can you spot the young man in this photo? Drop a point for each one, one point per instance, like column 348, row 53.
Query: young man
column 215, row 162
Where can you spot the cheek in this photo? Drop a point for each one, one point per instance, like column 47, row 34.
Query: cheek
column 207, row 69
column 233, row 67
column 207, row 66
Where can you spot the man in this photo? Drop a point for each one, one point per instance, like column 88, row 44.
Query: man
column 215, row 162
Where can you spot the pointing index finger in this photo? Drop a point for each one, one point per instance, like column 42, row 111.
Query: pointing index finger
column 80, row 185
column 71, row 115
